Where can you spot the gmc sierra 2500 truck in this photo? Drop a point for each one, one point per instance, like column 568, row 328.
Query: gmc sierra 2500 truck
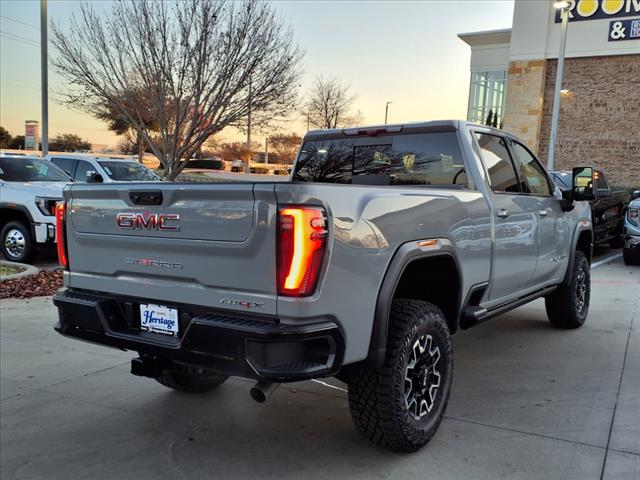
column 385, row 242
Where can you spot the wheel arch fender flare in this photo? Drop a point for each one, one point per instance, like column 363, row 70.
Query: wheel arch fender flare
column 10, row 207
column 406, row 254
column 580, row 228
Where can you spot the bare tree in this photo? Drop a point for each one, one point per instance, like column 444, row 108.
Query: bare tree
column 329, row 104
column 196, row 61
column 285, row 146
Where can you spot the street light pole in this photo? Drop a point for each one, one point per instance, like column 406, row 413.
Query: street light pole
column 564, row 7
column 266, row 149
column 44, row 78
column 386, row 112
column 247, row 167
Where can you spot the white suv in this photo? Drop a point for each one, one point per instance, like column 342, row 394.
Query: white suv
column 103, row 169
column 30, row 188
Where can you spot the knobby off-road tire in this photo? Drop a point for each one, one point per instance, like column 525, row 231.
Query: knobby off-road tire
column 631, row 257
column 401, row 404
column 568, row 306
column 190, row 380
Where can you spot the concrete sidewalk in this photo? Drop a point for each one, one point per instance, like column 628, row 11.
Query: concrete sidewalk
column 528, row 401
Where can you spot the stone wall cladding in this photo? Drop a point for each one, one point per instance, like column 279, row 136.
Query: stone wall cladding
column 599, row 120
column 525, row 86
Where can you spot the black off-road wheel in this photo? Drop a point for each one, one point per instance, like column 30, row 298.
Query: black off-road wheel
column 568, row 306
column 401, row 404
column 190, row 379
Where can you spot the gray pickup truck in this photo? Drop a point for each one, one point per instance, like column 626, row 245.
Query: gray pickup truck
column 385, row 242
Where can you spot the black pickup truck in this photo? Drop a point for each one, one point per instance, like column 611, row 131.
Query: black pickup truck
column 607, row 210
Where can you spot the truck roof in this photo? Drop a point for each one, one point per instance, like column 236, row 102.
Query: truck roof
column 19, row 155
column 394, row 129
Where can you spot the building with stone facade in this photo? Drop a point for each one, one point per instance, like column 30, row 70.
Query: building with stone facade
column 513, row 74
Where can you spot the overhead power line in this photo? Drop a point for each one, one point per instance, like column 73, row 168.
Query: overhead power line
column 20, row 22
column 18, row 38
column 20, row 85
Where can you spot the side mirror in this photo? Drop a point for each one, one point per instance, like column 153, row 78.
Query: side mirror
column 583, row 182
column 94, row 177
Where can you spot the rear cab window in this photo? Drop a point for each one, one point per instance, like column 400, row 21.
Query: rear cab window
column 432, row 158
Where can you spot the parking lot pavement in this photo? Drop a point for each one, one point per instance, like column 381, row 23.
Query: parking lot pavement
column 528, row 401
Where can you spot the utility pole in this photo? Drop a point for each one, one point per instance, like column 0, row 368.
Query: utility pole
column 266, row 149
column 386, row 112
column 564, row 7
column 248, row 165
column 44, row 78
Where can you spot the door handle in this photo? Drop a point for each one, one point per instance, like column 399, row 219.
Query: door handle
column 502, row 213
column 543, row 213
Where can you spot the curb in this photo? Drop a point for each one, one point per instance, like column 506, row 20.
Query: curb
column 29, row 270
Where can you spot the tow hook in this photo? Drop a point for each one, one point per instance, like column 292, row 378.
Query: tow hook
column 262, row 390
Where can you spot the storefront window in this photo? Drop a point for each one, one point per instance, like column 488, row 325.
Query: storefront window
column 486, row 97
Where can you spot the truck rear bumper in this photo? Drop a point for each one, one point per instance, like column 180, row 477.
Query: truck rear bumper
column 250, row 347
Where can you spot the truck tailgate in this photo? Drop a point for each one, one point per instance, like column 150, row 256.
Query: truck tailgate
column 211, row 244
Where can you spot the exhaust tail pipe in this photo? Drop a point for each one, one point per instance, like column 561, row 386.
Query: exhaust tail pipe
column 262, row 390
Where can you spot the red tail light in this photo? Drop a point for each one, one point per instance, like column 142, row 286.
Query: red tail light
column 61, row 240
column 302, row 238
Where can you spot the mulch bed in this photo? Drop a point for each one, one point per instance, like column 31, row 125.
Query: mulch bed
column 38, row 285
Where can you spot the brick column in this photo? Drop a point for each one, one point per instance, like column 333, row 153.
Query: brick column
column 523, row 110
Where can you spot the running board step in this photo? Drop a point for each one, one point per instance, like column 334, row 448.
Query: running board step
column 472, row 315
column 475, row 314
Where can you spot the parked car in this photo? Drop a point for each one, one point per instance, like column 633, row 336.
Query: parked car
column 237, row 165
column 385, row 242
column 607, row 209
column 204, row 164
column 631, row 250
column 30, row 187
column 83, row 168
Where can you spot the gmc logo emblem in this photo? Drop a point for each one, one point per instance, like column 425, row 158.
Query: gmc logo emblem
column 149, row 221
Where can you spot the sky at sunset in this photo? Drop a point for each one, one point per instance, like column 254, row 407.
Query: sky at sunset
column 404, row 52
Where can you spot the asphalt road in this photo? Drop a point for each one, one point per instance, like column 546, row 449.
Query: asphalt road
column 528, row 401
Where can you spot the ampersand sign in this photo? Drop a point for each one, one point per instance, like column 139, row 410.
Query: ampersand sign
column 617, row 31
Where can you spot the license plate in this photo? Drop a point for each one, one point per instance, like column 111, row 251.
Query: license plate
column 158, row 319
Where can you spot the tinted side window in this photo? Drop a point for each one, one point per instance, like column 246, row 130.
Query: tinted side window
column 601, row 183
column 66, row 164
column 496, row 158
column 562, row 180
column 531, row 171
column 81, row 171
